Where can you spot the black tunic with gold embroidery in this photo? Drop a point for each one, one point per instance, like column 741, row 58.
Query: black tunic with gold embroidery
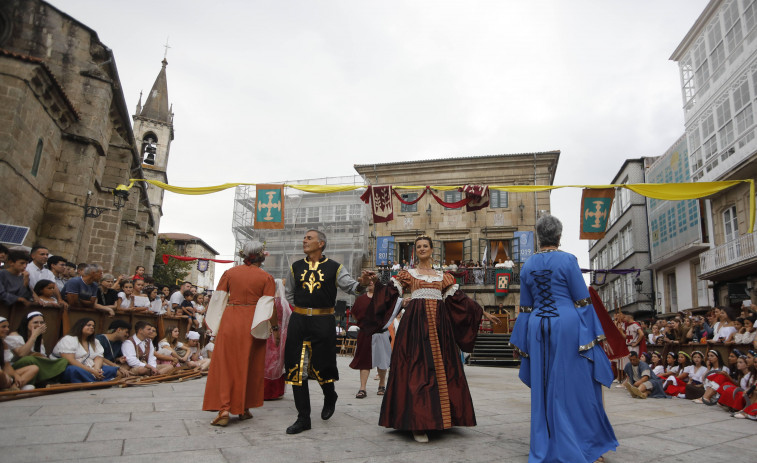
column 314, row 286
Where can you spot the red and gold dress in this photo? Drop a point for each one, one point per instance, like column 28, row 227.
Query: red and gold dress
column 427, row 388
column 235, row 380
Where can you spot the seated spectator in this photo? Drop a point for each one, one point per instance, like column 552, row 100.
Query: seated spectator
column 3, row 255
column 352, row 331
column 746, row 333
column 57, row 265
column 84, row 355
column 118, row 332
column 82, row 290
column 177, row 297
column 675, row 385
column 167, row 349
column 139, row 273
column 656, row 364
column 28, row 348
column 106, row 295
column 750, row 396
column 732, row 395
column 750, row 355
column 10, row 378
column 188, row 310
column 207, row 350
column 671, row 366
column 140, row 353
column 697, row 372
column 45, row 291
column 640, row 381
column 14, row 279
column 38, row 271
column 717, row 374
column 195, row 359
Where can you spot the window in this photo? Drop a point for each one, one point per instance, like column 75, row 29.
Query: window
column 452, row 197
column 750, row 15
column 730, row 224
column 687, row 76
column 626, row 237
column 498, row 199
column 734, row 35
column 741, row 95
column 702, row 73
column 409, row 197
column 708, row 126
column 710, row 147
column 726, row 134
column 744, row 119
column 702, row 293
column 717, row 56
column 37, row 158
column 340, row 213
column 614, row 251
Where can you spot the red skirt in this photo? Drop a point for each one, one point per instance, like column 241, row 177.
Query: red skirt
column 274, row 388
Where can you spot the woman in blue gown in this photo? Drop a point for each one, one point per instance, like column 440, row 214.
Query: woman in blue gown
column 559, row 338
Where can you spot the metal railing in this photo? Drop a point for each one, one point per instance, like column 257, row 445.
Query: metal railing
column 742, row 248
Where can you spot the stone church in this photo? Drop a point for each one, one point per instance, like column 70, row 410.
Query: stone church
column 66, row 142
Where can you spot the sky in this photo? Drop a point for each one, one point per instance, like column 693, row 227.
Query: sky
column 268, row 91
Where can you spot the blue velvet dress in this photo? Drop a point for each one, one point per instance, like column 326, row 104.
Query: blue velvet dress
column 559, row 337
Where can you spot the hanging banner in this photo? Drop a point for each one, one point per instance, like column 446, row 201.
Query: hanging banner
column 382, row 250
column 202, row 265
column 269, row 207
column 478, row 195
column 380, row 197
column 503, row 277
column 525, row 245
column 595, row 213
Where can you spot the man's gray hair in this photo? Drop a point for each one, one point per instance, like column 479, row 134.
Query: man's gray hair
column 253, row 247
column 107, row 276
column 549, row 230
column 321, row 236
column 92, row 268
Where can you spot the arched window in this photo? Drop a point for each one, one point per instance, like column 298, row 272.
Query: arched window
column 149, row 146
column 37, row 158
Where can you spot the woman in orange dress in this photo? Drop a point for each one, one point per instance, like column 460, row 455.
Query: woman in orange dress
column 241, row 326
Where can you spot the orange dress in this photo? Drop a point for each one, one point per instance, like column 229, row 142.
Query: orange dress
column 235, row 380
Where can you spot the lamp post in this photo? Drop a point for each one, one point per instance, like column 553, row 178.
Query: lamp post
column 649, row 297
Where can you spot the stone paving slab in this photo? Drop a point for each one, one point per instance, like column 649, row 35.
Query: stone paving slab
column 166, row 421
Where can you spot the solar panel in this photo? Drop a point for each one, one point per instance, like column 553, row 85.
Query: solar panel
column 12, row 234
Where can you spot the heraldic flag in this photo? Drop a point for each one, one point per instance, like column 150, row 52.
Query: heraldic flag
column 503, row 278
column 595, row 212
column 269, row 207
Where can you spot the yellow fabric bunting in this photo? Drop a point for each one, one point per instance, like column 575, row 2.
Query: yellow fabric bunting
column 664, row 191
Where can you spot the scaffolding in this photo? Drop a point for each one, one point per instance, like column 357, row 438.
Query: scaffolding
column 341, row 216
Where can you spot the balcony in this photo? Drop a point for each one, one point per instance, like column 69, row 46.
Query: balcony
column 720, row 259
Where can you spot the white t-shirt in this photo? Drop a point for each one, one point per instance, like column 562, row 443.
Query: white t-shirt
column 141, row 301
column 156, row 306
column 658, row 370
column 631, row 333
column 71, row 345
column 14, row 341
column 124, row 302
column 176, row 298
column 696, row 375
column 745, row 381
column 746, row 338
column 724, row 332
column 37, row 274
column 208, row 348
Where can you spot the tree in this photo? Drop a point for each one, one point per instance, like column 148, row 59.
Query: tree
column 167, row 274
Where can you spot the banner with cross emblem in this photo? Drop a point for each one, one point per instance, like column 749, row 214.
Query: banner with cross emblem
column 595, row 212
column 503, row 277
column 269, row 207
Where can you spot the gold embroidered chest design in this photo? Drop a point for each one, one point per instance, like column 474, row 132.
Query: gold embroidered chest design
column 312, row 277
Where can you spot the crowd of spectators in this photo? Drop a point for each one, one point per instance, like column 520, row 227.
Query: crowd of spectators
column 36, row 279
column 694, row 366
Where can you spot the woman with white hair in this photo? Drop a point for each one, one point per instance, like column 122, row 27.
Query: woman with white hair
column 559, row 338
column 241, row 317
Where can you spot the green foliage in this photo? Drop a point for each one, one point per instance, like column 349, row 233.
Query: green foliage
column 167, row 274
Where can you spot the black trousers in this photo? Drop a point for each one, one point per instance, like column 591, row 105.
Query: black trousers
column 314, row 337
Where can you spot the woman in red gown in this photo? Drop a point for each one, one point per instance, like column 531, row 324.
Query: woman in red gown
column 427, row 389
column 235, row 380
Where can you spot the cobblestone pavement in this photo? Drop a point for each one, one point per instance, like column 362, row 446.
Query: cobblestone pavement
column 164, row 423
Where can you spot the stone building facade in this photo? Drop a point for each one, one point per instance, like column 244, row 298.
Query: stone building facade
column 461, row 235
column 67, row 142
column 717, row 61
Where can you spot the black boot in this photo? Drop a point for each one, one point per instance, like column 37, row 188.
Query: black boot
column 302, row 402
column 329, row 400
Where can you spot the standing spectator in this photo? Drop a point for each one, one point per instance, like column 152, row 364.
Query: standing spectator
column 3, row 255
column 199, row 306
column 70, row 271
column 166, row 292
column 80, row 269
column 139, row 273
column 82, row 291
column 38, row 271
column 45, row 292
column 141, row 300
column 634, row 335
column 84, row 355
column 725, row 329
column 157, row 304
column 14, row 279
column 106, row 295
column 57, row 265
column 747, row 333
column 178, row 297
column 188, row 310
column 654, row 336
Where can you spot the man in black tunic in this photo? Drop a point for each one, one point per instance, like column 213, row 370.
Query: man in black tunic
column 311, row 288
